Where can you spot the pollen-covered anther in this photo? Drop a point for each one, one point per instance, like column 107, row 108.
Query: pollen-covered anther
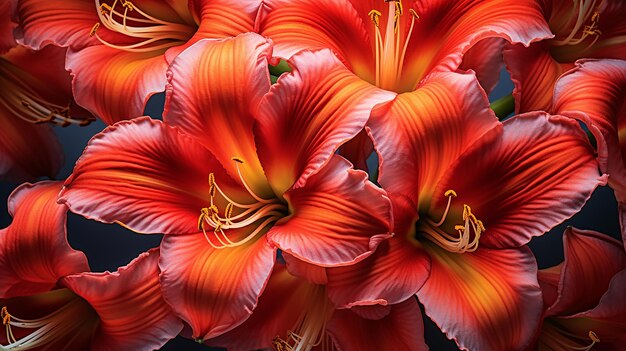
column 469, row 232
column 257, row 216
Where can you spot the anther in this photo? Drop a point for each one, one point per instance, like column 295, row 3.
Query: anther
column 94, row 29
column 237, row 159
column 594, row 337
column 399, row 8
column 375, row 17
column 129, row 5
column 450, row 193
column 414, row 14
column 6, row 316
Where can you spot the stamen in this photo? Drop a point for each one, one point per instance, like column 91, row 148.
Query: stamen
column 154, row 35
column 391, row 51
column 267, row 211
column 585, row 8
column 54, row 326
column 472, row 228
column 310, row 329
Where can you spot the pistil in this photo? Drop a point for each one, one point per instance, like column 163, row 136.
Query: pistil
column 468, row 233
column 152, row 33
column 389, row 50
column 266, row 211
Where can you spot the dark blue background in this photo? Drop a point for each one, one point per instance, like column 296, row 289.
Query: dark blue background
column 110, row 246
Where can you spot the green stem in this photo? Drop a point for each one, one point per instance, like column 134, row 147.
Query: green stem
column 504, row 106
column 280, row 68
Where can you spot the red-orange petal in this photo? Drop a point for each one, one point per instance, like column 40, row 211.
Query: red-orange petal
column 421, row 133
column 34, row 252
column 145, row 175
column 598, row 89
column 541, row 171
column 591, row 261
column 485, row 58
column 533, row 72
column 7, row 24
column 401, row 329
column 216, row 105
column 119, row 85
column 470, row 296
column 129, row 303
column 338, row 218
column 308, row 114
column 214, row 290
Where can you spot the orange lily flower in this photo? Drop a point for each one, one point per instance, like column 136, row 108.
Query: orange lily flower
column 120, row 50
column 584, row 295
column 582, row 29
column 468, row 193
column 49, row 301
column 236, row 171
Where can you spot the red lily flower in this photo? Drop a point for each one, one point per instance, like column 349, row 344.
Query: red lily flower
column 46, row 303
column 120, row 50
column 582, row 29
column 468, row 192
column 584, row 295
column 395, row 48
column 294, row 314
column 268, row 186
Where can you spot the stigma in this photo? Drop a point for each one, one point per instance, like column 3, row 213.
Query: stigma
column 151, row 34
column 585, row 17
column 390, row 48
column 258, row 215
column 24, row 102
column 468, row 233
column 310, row 328
column 46, row 330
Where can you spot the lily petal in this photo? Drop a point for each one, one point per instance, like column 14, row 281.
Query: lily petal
column 485, row 58
column 278, row 310
column 589, row 257
column 544, row 170
column 392, row 274
column 119, row 87
column 598, row 89
column 213, row 290
column 218, row 111
column 223, row 18
column 145, row 175
column 308, row 114
column 446, row 30
column 312, row 25
column 401, row 329
column 408, row 132
column 533, row 72
column 486, row 300
column 308, row 271
column 130, row 305
column 7, row 12
column 34, row 252
column 356, row 217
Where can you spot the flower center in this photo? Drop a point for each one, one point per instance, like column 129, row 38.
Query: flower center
column 390, row 51
column 262, row 212
column 310, row 329
column 53, row 327
column 556, row 337
column 468, row 233
column 152, row 34
column 21, row 100
column 584, row 11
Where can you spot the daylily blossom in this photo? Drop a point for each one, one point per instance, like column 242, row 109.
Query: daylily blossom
column 597, row 89
column 584, row 296
column 468, row 192
column 120, row 50
column 229, row 186
column 582, row 29
column 49, row 301
column 294, row 314
column 395, row 47
column 35, row 91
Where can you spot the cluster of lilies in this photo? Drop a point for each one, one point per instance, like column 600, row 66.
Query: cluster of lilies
column 279, row 230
